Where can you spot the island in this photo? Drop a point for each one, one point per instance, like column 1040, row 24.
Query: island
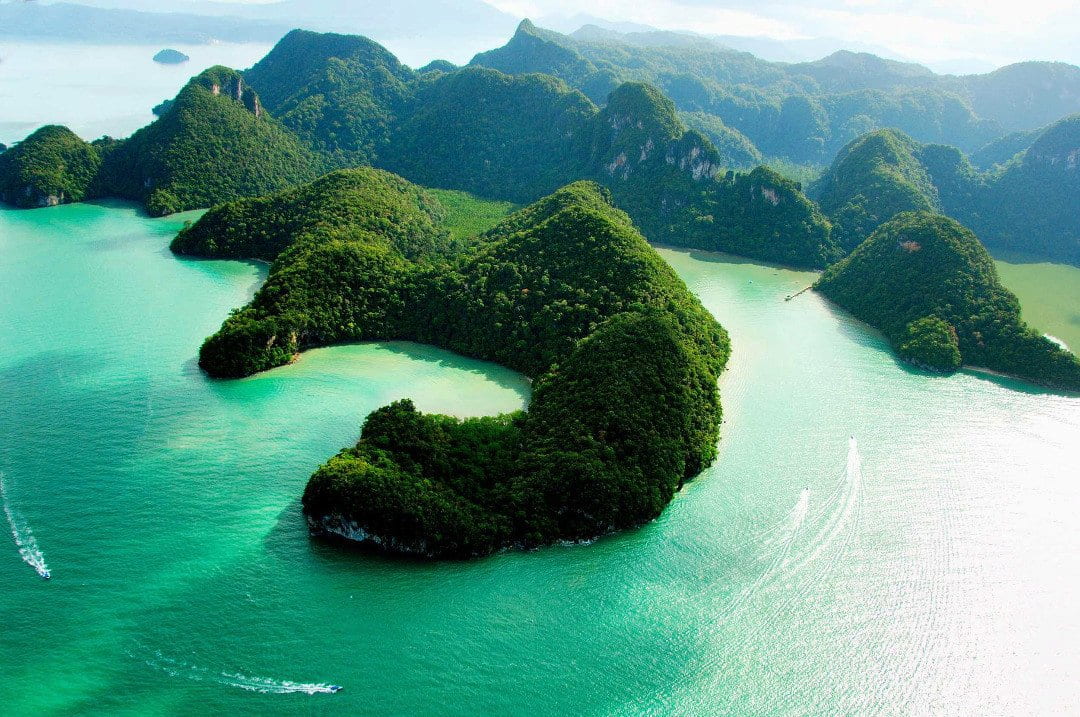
column 52, row 166
column 171, row 57
column 320, row 102
column 928, row 284
column 624, row 359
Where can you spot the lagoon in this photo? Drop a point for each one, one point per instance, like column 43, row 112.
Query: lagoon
column 931, row 566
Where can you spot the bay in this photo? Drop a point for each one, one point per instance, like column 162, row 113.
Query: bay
column 930, row 566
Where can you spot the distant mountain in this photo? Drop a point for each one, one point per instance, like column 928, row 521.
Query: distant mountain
column 80, row 23
column 1004, row 148
column 1030, row 206
column 422, row 29
column 595, row 30
column 1025, row 95
column 802, row 112
column 845, row 71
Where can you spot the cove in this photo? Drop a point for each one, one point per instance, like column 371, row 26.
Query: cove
column 939, row 576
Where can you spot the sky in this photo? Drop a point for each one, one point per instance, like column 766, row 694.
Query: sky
column 932, row 31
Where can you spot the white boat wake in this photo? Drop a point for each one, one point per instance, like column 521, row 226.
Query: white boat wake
column 783, row 544
column 262, row 685
column 850, row 490
column 23, row 536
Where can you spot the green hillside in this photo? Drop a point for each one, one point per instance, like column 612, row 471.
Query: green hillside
column 214, row 143
column 51, row 166
column 341, row 94
column 566, row 291
column 1028, row 206
column 802, row 112
column 929, row 285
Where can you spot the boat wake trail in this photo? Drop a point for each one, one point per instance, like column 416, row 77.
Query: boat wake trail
column 849, row 494
column 24, row 536
column 782, row 548
column 262, row 685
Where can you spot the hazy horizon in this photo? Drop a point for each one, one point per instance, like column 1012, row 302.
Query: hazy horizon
column 960, row 36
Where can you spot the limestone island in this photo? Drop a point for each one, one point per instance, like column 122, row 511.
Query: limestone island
column 929, row 285
column 624, row 359
column 171, row 57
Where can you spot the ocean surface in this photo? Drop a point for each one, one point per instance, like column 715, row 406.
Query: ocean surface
column 872, row 539
column 94, row 89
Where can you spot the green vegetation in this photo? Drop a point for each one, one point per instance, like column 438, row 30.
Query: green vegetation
column 669, row 180
column 467, row 215
column 873, row 179
column 932, row 343
column 801, row 112
column 1031, row 206
column 1028, row 206
column 214, row 143
column 625, row 362
column 1002, row 149
column 51, row 166
column 735, row 150
column 340, row 94
column 377, row 202
column 926, row 282
column 494, row 135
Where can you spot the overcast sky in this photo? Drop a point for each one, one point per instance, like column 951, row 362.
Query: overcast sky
column 927, row 30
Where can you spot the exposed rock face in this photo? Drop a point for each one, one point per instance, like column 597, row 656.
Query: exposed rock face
column 234, row 88
column 335, row 526
column 1058, row 147
column 638, row 127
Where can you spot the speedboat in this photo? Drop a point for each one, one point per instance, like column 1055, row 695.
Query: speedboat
column 335, row 688
column 46, row 575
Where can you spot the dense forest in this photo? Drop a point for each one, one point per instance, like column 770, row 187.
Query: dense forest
column 625, row 360
column 1029, row 205
column 51, row 166
column 323, row 101
column 213, row 143
column 802, row 112
column 930, row 286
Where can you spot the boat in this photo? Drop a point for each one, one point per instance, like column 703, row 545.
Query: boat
column 46, row 575
column 335, row 688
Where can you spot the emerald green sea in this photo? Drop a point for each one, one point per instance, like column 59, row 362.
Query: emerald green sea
column 929, row 566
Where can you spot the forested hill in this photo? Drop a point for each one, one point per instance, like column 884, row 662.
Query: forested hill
column 521, row 136
column 1029, row 205
column 341, row 94
column 215, row 142
column 927, row 283
column 566, row 291
column 344, row 101
column 325, row 101
column 802, row 112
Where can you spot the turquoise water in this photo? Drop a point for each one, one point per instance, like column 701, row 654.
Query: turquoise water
column 931, row 568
